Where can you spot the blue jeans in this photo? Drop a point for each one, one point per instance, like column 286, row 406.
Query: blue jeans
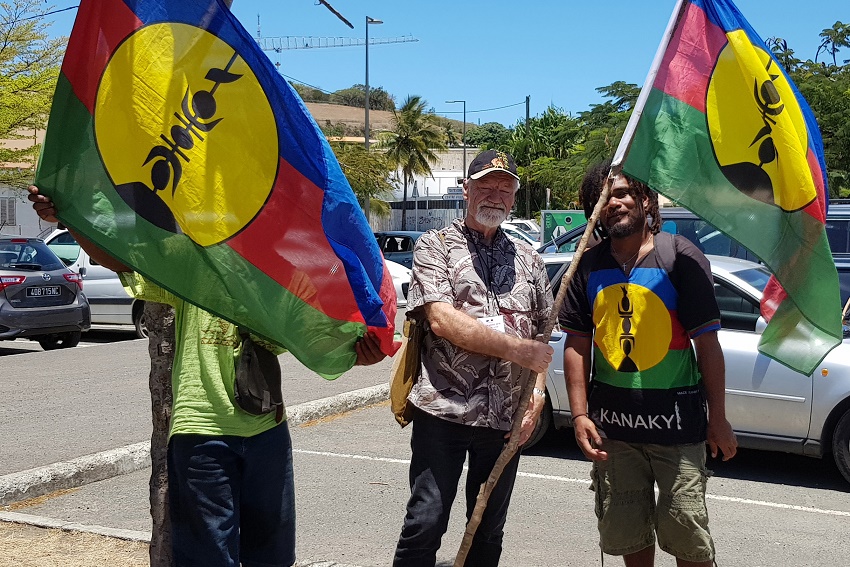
column 232, row 499
column 439, row 449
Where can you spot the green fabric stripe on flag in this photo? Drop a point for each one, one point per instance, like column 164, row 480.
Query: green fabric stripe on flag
column 131, row 239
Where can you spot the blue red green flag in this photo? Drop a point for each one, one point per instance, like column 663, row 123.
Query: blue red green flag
column 175, row 145
column 721, row 129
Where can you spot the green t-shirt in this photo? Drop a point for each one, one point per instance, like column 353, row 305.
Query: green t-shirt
column 203, row 373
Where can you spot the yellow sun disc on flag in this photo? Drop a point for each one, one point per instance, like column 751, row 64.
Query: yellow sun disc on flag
column 186, row 132
column 757, row 127
column 633, row 327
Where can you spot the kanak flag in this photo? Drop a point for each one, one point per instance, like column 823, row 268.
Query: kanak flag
column 175, row 145
column 721, row 129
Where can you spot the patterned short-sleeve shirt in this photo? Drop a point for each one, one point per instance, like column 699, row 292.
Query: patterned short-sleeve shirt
column 506, row 277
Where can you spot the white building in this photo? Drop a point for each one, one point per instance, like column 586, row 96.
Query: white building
column 432, row 201
column 16, row 214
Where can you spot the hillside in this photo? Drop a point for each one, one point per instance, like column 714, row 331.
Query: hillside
column 351, row 116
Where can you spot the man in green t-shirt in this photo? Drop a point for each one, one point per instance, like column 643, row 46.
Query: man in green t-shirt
column 230, row 478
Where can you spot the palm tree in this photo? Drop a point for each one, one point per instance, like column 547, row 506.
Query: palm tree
column 834, row 38
column 411, row 143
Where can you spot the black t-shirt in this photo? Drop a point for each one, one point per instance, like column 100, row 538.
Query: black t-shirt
column 646, row 386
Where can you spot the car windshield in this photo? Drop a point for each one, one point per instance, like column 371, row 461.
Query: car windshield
column 756, row 277
column 28, row 255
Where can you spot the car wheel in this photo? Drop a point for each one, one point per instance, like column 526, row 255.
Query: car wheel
column 60, row 340
column 140, row 321
column 542, row 427
column 841, row 445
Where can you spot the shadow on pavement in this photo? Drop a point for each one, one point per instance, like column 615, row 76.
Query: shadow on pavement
column 748, row 464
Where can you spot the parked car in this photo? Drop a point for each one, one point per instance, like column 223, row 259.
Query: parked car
column 519, row 234
column 677, row 220
column 110, row 302
column 401, row 281
column 769, row 406
column 838, row 229
column 398, row 245
column 529, row 227
column 40, row 298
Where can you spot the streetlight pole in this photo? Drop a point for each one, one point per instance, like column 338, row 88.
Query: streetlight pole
column 463, row 136
column 366, row 125
column 368, row 22
column 462, row 141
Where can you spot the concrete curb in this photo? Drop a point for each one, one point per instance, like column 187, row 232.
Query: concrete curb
column 39, row 481
column 129, row 535
column 53, row 523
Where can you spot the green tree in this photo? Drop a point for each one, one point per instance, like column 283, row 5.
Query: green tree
column 310, row 94
column 367, row 173
column 29, row 67
column 379, row 99
column 783, row 53
column 833, row 39
column 488, row 136
column 411, row 143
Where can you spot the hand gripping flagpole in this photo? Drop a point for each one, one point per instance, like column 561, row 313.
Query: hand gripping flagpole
column 527, row 385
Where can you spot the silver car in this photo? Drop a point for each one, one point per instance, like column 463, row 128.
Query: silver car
column 770, row 407
column 40, row 298
column 110, row 302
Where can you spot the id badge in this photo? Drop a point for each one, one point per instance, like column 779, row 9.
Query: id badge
column 496, row 323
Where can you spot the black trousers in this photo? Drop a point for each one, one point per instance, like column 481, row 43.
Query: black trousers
column 440, row 449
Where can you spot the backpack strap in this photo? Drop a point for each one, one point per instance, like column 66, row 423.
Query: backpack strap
column 665, row 248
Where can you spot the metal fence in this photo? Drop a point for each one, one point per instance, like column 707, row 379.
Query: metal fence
column 421, row 215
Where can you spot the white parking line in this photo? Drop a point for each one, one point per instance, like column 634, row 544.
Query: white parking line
column 557, row 478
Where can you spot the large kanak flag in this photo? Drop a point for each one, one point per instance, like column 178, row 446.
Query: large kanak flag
column 720, row 128
column 175, row 145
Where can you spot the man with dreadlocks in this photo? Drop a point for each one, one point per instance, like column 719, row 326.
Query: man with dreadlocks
column 640, row 304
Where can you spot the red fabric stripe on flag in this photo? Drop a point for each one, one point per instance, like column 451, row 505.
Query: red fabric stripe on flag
column 101, row 25
column 816, row 207
column 690, row 58
column 387, row 292
column 299, row 258
column 772, row 296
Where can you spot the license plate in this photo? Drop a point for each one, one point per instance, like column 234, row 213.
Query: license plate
column 43, row 291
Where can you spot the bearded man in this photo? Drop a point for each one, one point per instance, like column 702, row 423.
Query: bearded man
column 481, row 297
column 645, row 377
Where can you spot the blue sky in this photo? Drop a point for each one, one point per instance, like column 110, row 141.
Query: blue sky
column 494, row 53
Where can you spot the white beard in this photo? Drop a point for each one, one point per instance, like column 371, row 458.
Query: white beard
column 491, row 218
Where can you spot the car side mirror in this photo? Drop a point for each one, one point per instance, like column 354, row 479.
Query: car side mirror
column 761, row 325
column 82, row 271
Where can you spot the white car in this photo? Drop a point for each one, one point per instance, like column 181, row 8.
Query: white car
column 528, row 226
column 519, row 234
column 110, row 303
column 401, row 281
column 770, row 406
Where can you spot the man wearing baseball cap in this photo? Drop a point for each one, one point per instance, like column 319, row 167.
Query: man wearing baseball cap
column 481, row 298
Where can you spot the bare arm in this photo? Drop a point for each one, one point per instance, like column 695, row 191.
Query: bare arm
column 577, row 372
column 46, row 210
column 469, row 334
column 712, row 366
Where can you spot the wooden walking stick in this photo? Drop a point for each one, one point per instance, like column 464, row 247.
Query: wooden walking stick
column 526, row 387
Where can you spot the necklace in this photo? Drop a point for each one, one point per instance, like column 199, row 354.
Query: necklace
column 625, row 264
